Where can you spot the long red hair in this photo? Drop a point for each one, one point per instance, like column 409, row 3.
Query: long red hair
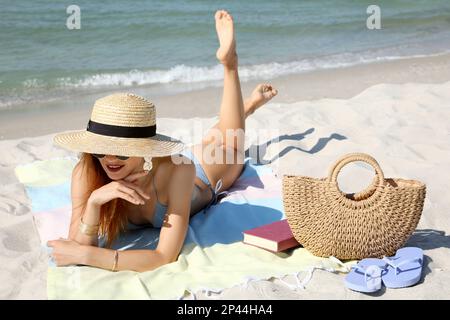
column 113, row 218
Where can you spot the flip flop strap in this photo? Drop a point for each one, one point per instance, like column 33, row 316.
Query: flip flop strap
column 397, row 266
column 366, row 275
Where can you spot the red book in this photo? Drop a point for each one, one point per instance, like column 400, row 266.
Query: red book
column 275, row 237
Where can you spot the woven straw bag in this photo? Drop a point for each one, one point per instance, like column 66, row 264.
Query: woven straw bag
column 375, row 222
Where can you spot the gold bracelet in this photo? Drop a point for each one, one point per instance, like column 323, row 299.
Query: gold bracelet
column 116, row 260
column 88, row 229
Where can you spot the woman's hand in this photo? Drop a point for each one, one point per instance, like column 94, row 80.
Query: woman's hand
column 67, row 252
column 124, row 188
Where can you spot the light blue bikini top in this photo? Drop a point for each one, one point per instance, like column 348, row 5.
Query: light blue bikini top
column 160, row 209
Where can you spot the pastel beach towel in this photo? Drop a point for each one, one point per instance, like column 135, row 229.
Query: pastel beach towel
column 213, row 256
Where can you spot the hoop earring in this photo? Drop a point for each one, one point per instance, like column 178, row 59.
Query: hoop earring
column 148, row 163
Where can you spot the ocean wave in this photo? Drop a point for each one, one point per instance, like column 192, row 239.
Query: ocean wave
column 34, row 90
column 179, row 73
column 193, row 74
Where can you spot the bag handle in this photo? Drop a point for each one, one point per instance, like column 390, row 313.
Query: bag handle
column 353, row 157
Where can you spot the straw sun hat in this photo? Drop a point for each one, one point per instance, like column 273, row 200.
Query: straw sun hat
column 121, row 124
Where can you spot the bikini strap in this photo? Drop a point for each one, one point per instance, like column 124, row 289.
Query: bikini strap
column 216, row 195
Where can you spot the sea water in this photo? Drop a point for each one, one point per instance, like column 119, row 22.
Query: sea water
column 171, row 45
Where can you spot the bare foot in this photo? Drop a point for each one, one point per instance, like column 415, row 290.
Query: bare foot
column 226, row 53
column 260, row 96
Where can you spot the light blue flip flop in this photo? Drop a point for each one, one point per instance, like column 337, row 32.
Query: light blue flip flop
column 366, row 275
column 404, row 269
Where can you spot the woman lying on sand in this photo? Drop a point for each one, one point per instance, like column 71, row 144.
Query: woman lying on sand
column 110, row 190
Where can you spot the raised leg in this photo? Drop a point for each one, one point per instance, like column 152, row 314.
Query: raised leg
column 221, row 152
column 259, row 97
column 232, row 114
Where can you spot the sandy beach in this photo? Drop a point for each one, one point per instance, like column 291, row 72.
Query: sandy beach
column 396, row 111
